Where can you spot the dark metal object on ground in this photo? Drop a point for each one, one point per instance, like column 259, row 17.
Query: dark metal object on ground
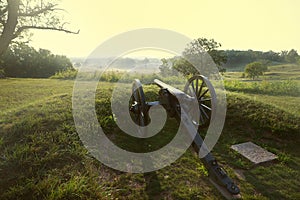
column 199, row 88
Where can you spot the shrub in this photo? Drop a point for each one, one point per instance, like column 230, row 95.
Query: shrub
column 255, row 69
column 66, row 75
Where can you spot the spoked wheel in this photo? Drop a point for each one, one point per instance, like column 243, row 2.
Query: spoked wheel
column 201, row 88
column 137, row 105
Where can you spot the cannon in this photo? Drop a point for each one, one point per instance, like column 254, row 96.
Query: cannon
column 200, row 88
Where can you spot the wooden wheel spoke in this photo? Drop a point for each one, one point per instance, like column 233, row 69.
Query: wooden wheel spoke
column 205, row 99
column 197, row 86
column 201, row 119
column 193, row 86
column 203, row 111
column 205, row 106
column 204, row 93
column 200, row 90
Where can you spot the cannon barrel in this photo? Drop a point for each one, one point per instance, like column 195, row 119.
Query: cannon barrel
column 172, row 90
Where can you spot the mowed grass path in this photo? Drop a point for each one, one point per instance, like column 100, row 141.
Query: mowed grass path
column 41, row 156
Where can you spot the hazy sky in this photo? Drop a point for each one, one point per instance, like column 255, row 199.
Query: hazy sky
column 236, row 24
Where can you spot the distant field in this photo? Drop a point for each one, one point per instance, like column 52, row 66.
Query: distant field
column 276, row 72
column 43, row 158
column 279, row 87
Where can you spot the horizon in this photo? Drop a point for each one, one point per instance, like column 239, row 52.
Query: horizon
column 157, row 57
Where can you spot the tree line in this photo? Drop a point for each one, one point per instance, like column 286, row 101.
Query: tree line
column 204, row 53
column 23, row 61
column 17, row 17
column 237, row 58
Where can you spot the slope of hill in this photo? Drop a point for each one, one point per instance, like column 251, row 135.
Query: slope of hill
column 43, row 158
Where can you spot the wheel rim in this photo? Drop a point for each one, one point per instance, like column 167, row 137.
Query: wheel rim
column 201, row 88
column 137, row 104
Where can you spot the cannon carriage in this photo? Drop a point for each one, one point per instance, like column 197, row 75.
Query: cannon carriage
column 177, row 104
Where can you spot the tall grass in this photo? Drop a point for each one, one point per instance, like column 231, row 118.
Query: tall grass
column 65, row 75
column 286, row 87
column 117, row 76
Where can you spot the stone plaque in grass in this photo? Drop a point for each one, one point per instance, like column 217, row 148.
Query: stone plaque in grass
column 253, row 152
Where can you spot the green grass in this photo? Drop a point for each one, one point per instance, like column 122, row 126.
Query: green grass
column 114, row 76
column 273, row 129
column 275, row 72
column 43, row 158
column 17, row 93
column 280, row 87
column 283, row 87
column 284, row 71
column 289, row 104
column 266, row 111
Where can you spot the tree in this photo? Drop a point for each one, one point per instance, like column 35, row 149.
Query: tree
column 145, row 62
column 292, row 56
column 19, row 16
column 2, row 73
column 210, row 46
column 183, row 66
column 271, row 56
column 255, row 69
column 21, row 60
column 196, row 51
column 166, row 68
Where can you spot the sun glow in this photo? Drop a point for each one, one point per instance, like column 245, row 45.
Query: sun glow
column 258, row 25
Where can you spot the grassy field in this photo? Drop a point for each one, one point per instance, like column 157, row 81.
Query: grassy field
column 279, row 87
column 276, row 72
column 43, row 158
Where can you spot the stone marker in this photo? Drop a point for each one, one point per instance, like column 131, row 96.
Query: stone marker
column 253, row 152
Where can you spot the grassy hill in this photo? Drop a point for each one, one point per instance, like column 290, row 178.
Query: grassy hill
column 275, row 72
column 43, row 158
column 279, row 87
